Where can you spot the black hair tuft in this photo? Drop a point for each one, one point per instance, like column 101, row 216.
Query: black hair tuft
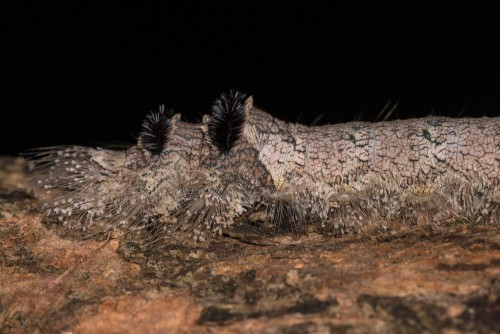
column 227, row 120
column 156, row 129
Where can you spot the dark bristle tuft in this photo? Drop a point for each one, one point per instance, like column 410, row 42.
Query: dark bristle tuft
column 227, row 120
column 156, row 130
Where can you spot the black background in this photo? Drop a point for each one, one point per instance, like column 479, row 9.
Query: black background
column 88, row 75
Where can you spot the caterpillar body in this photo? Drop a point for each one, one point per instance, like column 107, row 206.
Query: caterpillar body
column 241, row 164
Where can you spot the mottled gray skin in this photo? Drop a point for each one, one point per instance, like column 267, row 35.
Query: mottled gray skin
column 414, row 150
column 341, row 176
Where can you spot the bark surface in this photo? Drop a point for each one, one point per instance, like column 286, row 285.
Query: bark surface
column 414, row 279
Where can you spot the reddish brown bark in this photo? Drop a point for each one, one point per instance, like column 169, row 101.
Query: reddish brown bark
column 416, row 279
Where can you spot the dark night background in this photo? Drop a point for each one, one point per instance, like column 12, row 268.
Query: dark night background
column 88, row 75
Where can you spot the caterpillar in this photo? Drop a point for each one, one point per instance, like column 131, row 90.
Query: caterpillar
column 240, row 164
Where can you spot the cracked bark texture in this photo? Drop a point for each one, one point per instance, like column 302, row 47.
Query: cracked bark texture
column 410, row 280
column 410, row 150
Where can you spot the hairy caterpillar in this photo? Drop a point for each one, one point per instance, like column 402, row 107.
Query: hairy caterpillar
column 242, row 163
